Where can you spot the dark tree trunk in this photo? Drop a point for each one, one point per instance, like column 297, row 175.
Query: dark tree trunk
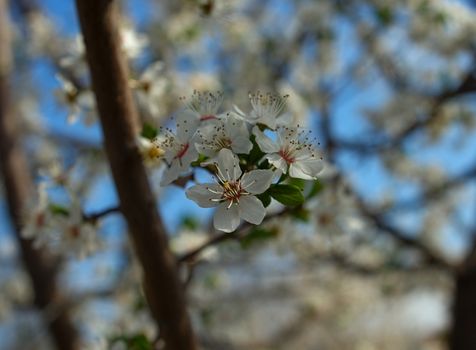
column 463, row 334
column 118, row 115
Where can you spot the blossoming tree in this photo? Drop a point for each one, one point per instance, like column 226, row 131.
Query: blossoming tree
column 180, row 176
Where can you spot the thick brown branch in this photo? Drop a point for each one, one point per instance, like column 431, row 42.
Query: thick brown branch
column 164, row 292
column 18, row 187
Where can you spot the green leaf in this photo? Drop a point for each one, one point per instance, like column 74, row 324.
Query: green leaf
column 289, row 195
column 258, row 234
column 317, row 187
column 265, row 198
column 57, row 209
column 299, row 183
column 148, row 131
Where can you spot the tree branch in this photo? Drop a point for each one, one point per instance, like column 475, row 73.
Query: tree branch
column 118, row 116
column 436, row 191
column 405, row 239
column 93, row 217
column 239, row 234
column 467, row 85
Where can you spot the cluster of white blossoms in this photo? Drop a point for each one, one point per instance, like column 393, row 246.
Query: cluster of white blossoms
column 252, row 156
column 61, row 227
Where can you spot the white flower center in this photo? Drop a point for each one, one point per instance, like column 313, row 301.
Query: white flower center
column 217, row 140
column 293, row 142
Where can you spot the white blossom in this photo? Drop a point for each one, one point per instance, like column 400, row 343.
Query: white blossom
column 179, row 148
column 233, row 193
column 77, row 101
column 291, row 152
column 150, row 88
column 37, row 215
column 133, row 43
column 70, row 232
column 204, row 105
column 151, row 152
column 267, row 110
column 230, row 133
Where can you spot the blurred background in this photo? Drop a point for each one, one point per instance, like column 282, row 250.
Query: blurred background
column 382, row 257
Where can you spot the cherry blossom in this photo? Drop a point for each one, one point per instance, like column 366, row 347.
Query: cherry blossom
column 267, row 110
column 150, row 88
column 291, row 152
column 233, row 193
column 151, row 152
column 179, row 148
column 230, row 133
column 74, row 99
column 204, row 105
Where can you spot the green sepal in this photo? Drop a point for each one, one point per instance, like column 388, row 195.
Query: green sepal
column 148, row 131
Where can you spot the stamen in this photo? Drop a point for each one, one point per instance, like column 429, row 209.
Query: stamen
column 214, row 191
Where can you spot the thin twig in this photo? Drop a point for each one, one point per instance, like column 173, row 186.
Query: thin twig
column 93, row 217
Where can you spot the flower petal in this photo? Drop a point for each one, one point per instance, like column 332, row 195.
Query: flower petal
column 171, row 173
column 257, row 181
column 206, row 150
column 307, row 169
column 187, row 124
column 278, row 161
column 205, row 194
column 264, row 142
column 252, row 210
column 189, row 156
column 228, row 165
column 235, row 127
column 227, row 219
column 241, row 145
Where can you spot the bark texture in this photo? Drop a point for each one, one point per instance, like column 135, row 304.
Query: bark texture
column 463, row 335
column 118, row 115
column 18, row 187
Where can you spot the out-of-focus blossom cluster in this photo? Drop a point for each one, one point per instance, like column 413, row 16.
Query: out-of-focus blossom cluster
column 62, row 227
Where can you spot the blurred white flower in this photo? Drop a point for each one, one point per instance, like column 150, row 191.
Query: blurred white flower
column 133, row 43
column 151, row 152
column 37, row 216
column 77, row 101
column 150, row 88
